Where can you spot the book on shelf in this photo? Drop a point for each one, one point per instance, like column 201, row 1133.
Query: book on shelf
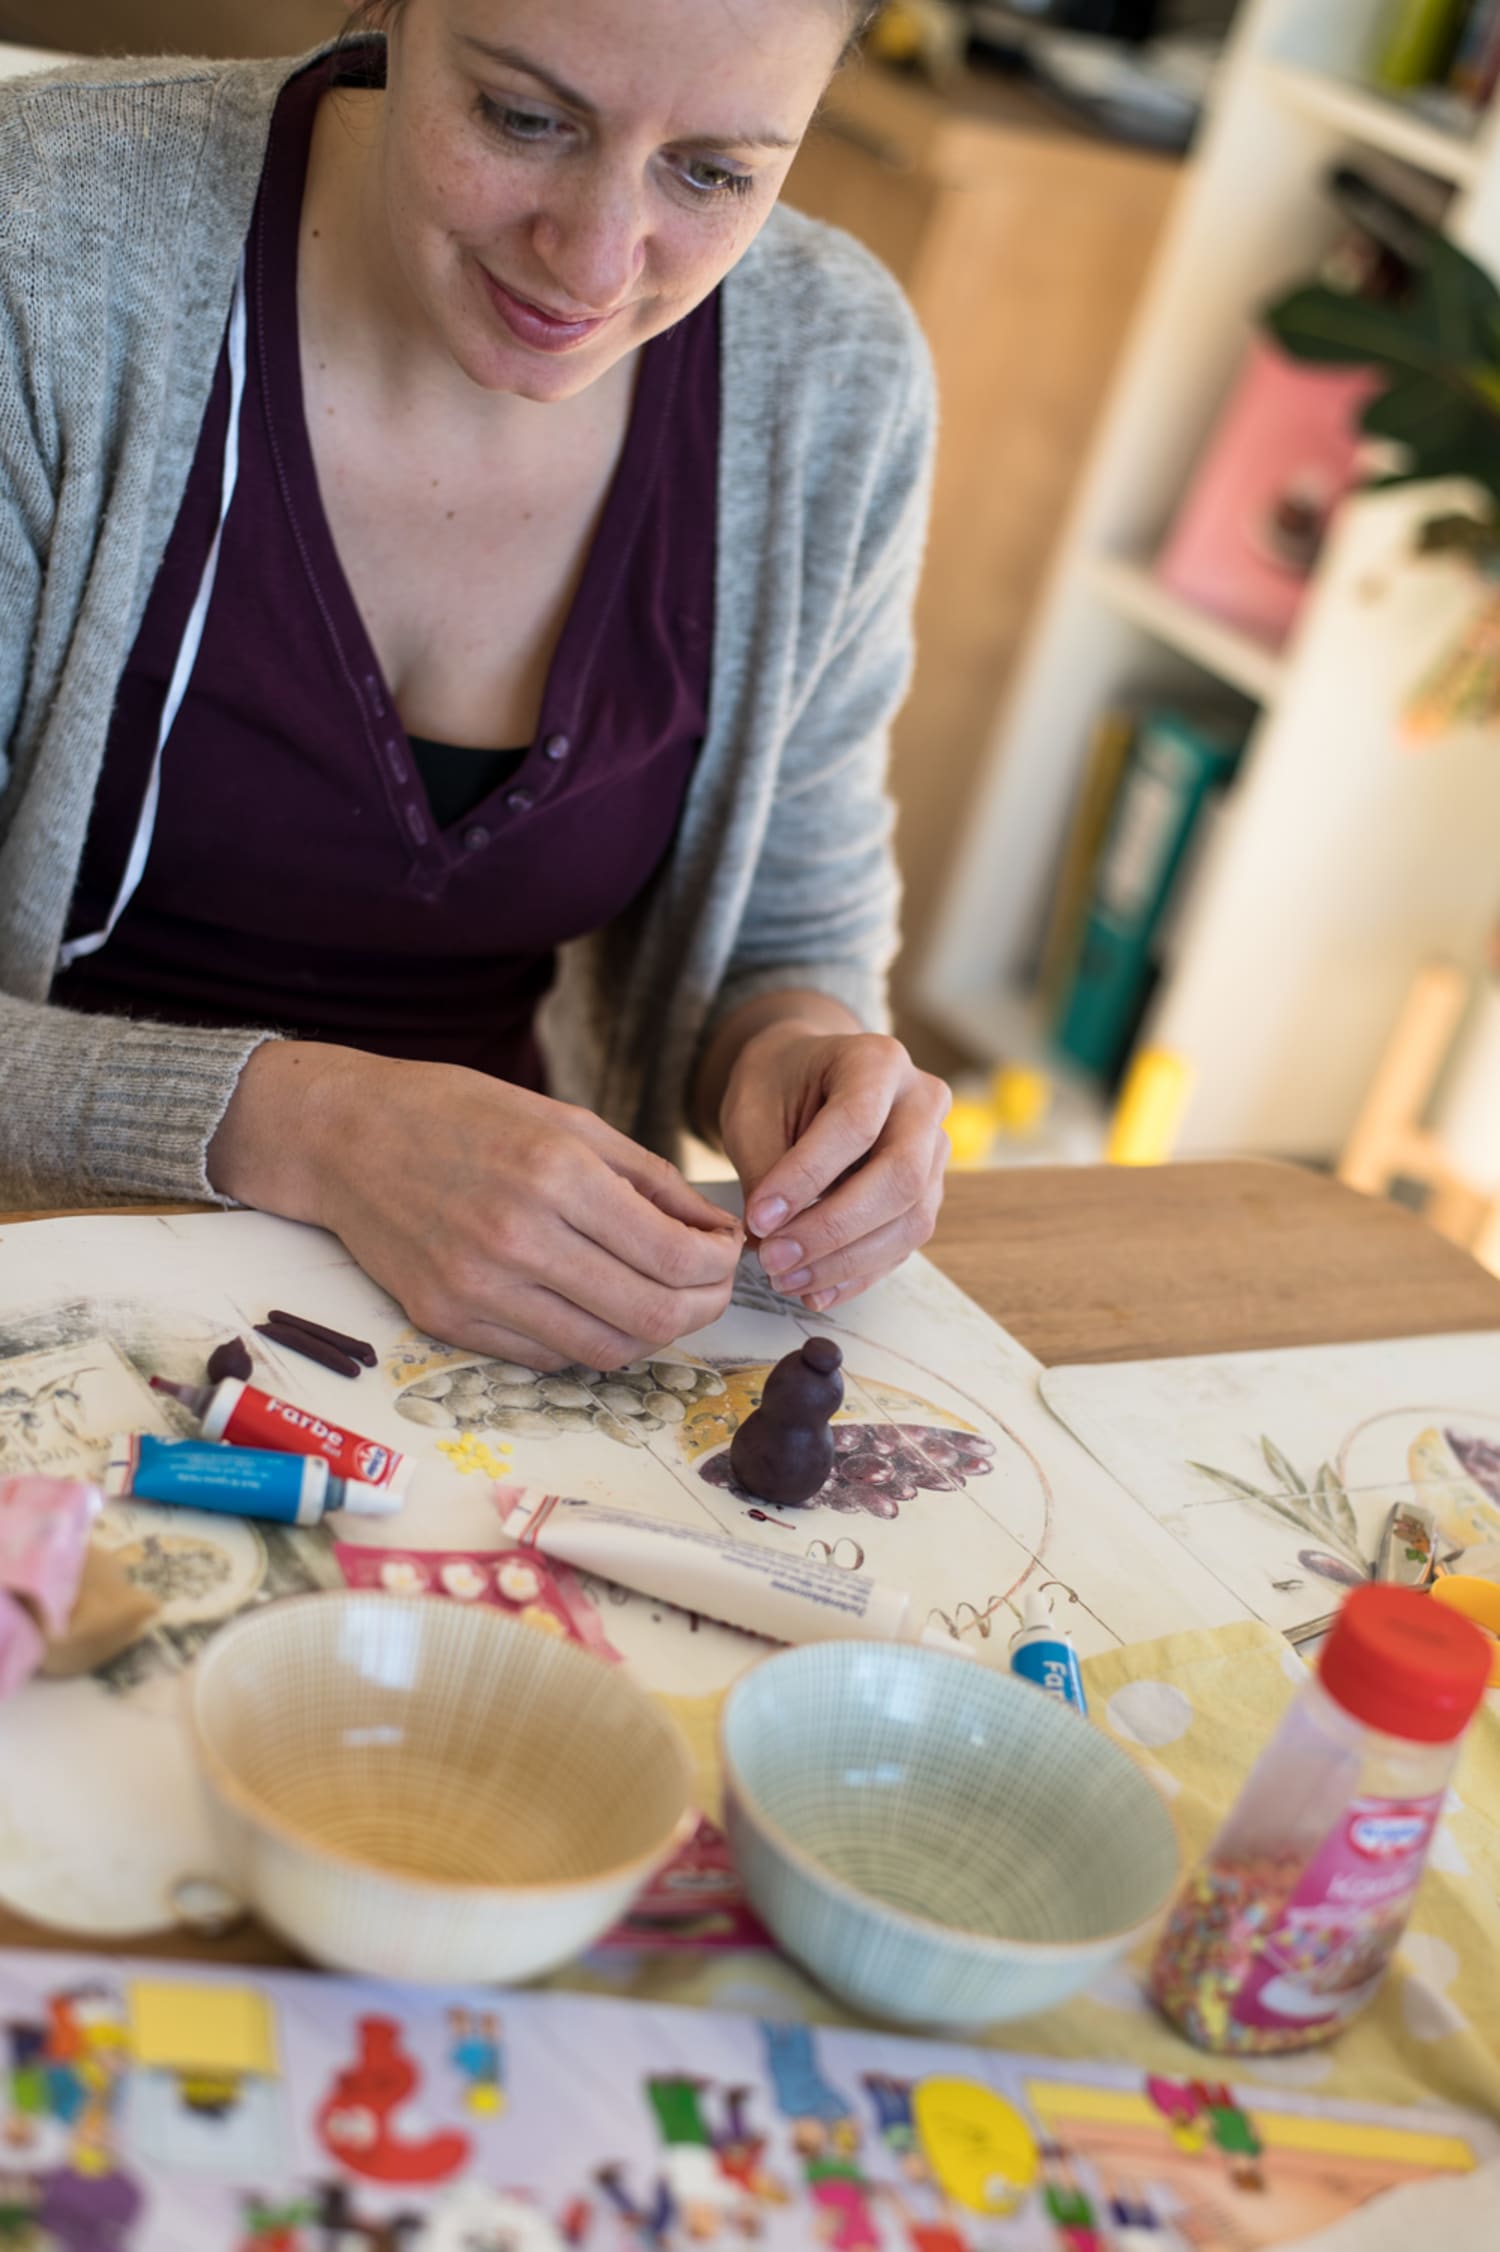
column 1417, row 42
column 1109, row 744
column 1177, row 761
column 1476, row 65
column 1248, row 531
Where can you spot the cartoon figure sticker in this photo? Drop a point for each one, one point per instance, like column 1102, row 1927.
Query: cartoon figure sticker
column 357, row 2123
column 982, row 2152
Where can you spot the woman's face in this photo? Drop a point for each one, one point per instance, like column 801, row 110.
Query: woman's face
column 564, row 179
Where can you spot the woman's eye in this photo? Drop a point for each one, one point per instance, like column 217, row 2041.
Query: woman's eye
column 518, row 124
column 709, row 179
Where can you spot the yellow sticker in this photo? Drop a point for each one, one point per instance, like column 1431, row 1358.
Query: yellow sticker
column 980, row 2148
column 197, row 2031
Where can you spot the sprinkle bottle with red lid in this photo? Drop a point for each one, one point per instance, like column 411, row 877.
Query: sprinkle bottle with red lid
column 1285, row 1929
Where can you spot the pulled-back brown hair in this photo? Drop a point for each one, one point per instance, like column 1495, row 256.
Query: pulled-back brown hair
column 374, row 15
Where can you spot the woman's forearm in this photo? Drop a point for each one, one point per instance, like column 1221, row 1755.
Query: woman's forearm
column 109, row 1110
column 267, row 1149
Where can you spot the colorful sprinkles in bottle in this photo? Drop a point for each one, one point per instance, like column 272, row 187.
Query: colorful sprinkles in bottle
column 1285, row 1929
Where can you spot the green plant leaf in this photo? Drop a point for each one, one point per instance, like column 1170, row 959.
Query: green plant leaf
column 1440, row 351
column 1421, row 411
column 1319, row 324
column 1475, row 456
column 1456, row 303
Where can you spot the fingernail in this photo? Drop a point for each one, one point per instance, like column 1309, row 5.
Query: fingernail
column 765, row 1218
column 796, row 1282
column 822, row 1301
column 778, row 1256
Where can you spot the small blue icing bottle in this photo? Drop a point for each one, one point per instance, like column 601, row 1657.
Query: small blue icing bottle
column 1041, row 1653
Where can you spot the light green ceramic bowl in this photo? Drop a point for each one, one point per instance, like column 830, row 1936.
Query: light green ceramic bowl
column 940, row 1845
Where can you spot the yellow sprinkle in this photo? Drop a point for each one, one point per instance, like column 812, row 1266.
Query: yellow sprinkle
column 471, row 1453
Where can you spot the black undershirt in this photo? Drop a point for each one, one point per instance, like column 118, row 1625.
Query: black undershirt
column 456, row 778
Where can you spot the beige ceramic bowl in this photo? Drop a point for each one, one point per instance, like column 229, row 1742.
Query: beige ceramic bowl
column 417, row 1789
column 939, row 1844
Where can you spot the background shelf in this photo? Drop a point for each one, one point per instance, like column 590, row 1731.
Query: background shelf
column 1381, row 122
column 1343, row 859
column 1236, row 658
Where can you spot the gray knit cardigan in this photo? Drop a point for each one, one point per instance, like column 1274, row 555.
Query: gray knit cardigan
column 125, row 194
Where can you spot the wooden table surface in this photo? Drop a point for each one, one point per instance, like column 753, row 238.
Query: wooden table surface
column 1104, row 1263
column 1099, row 1263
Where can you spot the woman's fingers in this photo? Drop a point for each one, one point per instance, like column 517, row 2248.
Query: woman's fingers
column 630, row 1231
column 858, row 1079
column 536, row 1275
column 548, row 1332
column 619, row 1312
column 824, row 1301
column 511, row 1224
column 897, row 1187
column 864, row 1256
column 656, row 1180
column 858, row 1179
column 548, row 1329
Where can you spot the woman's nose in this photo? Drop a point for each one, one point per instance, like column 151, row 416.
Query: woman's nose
column 592, row 238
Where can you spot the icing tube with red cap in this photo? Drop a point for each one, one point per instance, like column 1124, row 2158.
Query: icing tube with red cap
column 236, row 1411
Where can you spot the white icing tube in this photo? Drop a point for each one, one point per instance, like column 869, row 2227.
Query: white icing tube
column 778, row 1593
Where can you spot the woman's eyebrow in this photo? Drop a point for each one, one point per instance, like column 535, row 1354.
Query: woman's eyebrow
column 514, row 59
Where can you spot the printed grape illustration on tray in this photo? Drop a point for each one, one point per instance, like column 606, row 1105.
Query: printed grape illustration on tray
column 929, row 1490
column 878, row 1465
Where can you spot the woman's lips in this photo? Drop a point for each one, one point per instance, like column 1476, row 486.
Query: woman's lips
column 530, row 324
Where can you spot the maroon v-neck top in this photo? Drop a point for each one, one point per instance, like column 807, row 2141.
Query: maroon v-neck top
column 298, row 875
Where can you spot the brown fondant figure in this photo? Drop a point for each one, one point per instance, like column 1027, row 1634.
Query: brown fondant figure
column 784, row 1452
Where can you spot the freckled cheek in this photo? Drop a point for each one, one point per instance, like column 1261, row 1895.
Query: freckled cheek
column 708, row 255
column 450, row 196
column 701, row 255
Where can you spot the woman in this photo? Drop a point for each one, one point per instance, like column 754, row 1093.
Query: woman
column 528, row 566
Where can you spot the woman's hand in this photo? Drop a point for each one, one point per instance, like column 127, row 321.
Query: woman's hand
column 838, row 1139
column 498, row 1219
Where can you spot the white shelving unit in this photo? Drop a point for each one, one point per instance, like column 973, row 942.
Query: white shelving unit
column 1236, row 658
column 1342, row 859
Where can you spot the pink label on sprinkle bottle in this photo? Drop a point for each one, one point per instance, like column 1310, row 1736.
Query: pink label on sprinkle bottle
column 1326, row 1950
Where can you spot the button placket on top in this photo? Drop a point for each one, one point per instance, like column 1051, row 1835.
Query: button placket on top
column 551, row 764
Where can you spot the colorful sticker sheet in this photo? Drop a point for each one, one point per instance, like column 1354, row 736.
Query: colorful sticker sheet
column 148, row 2107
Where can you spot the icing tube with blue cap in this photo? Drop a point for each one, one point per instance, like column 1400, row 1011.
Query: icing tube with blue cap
column 1042, row 1654
column 777, row 1592
column 289, row 1489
